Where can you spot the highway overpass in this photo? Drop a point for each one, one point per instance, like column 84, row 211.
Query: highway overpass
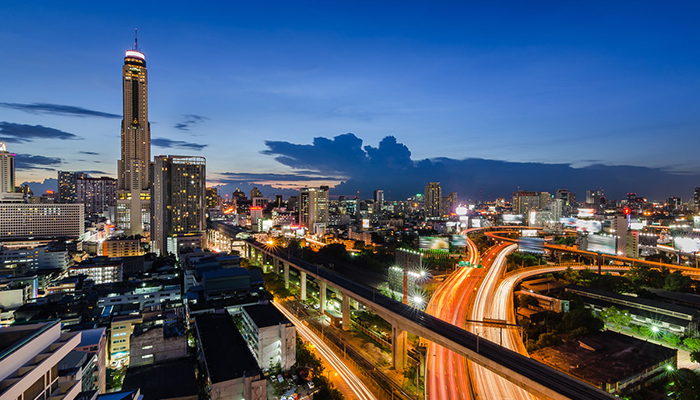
column 539, row 379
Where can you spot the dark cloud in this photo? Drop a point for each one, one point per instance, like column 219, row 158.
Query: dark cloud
column 167, row 143
column 95, row 172
column 226, row 188
column 39, row 188
column 19, row 133
column 58, row 109
column 389, row 167
column 24, row 161
column 190, row 119
column 90, row 153
column 247, row 177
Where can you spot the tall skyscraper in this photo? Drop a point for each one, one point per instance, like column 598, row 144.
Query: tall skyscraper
column 433, row 200
column 379, row 197
column 179, row 198
column 313, row 208
column 133, row 182
column 7, row 177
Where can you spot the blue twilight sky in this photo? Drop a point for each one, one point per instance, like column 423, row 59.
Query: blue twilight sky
column 251, row 84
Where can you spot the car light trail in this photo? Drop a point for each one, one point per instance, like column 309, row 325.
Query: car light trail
column 358, row 388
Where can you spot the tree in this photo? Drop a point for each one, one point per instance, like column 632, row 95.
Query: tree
column 672, row 339
column 692, row 343
column 695, row 356
column 528, row 301
column 616, row 317
column 684, row 385
column 335, row 250
column 677, row 282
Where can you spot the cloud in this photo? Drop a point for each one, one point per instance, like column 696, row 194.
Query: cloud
column 95, row 172
column 39, row 188
column 389, row 167
column 90, row 153
column 58, row 109
column 20, row 133
column 230, row 177
column 167, row 143
column 190, row 119
column 25, row 161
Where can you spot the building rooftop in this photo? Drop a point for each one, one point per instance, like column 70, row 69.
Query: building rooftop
column 9, row 339
column 91, row 337
column 167, row 380
column 639, row 300
column 225, row 351
column 605, row 357
column 265, row 315
column 225, row 272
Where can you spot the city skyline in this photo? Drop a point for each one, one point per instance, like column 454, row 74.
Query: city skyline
column 601, row 91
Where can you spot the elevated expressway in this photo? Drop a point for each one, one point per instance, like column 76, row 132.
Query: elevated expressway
column 690, row 271
column 539, row 379
column 446, row 371
column 494, row 300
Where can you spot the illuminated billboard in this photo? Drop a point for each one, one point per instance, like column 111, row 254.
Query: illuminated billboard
column 512, row 219
column 459, row 240
column 529, row 233
column 585, row 212
column 588, row 226
column 637, row 225
column 531, row 244
column 568, row 222
column 686, row 244
column 602, row 244
column 434, row 243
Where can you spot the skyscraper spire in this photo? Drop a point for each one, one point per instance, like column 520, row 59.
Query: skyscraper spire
column 136, row 39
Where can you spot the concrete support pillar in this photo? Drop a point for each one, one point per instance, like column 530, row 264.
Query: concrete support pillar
column 346, row 313
column 322, row 296
column 398, row 348
column 254, row 260
column 286, row 275
column 302, row 283
column 276, row 266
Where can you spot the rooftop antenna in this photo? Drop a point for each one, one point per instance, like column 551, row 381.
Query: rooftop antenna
column 136, row 39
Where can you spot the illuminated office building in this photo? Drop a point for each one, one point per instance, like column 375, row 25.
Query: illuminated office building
column 179, row 200
column 433, row 200
column 313, row 208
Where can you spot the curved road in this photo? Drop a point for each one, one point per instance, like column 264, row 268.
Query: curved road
column 447, row 376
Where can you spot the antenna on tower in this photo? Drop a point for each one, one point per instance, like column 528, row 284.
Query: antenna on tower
column 136, row 38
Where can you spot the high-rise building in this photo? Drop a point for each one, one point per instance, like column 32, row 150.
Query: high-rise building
column 449, row 203
column 97, row 194
column 179, row 187
column 7, row 170
column 133, row 181
column 68, row 186
column 524, row 201
column 255, row 192
column 379, row 197
column 433, row 200
column 31, row 360
column 696, row 198
column 313, row 208
column 7, row 176
column 213, row 200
